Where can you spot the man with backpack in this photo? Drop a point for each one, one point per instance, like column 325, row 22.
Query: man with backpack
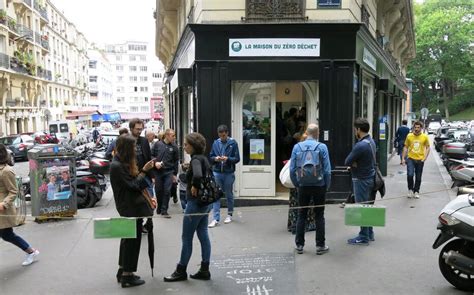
column 310, row 172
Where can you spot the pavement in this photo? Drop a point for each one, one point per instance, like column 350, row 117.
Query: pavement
column 252, row 255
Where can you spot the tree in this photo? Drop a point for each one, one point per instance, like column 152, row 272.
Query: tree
column 444, row 43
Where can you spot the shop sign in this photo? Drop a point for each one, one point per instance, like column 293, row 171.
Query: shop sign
column 274, row 47
column 369, row 59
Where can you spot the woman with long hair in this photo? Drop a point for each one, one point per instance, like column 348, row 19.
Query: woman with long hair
column 127, row 185
column 8, row 193
column 196, row 215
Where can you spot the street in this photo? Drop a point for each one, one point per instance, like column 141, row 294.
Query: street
column 400, row 261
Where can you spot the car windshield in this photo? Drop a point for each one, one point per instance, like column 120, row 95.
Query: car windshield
column 63, row 128
column 10, row 140
column 53, row 128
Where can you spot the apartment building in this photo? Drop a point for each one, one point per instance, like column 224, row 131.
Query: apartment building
column 247, row 63
column 157, row 83
column 100, row 81
column 43, row 66
column 130, row 62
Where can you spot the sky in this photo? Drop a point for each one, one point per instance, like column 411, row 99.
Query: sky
column 111, row 21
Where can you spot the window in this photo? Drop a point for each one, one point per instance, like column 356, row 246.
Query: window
column 143, row 79
column 157, row 84
column 119, row 68
column 132, row 68
column 132, row 58
column 118, row 58
column 93, row 79
column 133, row 78
column 120, row 99
column 133, row 47
column 120, row 89
column 134, row 109
column 119, row 78
column 329, row 3
column 157, row 75
column 144, row 109
column 143, row 89
column 143, row 68
column 92, row 64
column 142, row 57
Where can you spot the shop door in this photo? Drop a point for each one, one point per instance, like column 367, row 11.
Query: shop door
column 254, row 129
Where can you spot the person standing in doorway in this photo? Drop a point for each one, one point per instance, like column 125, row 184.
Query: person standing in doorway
column 8, row 193
column 400, row 137
column 417, row 148
column 310, row 172
column 166, row 156
column 224, row 155
column 361, row 163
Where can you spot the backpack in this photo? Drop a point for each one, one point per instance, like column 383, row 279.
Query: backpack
column 309, row 168
column 209, row 192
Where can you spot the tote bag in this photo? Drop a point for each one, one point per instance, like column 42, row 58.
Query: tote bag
column 285, row 176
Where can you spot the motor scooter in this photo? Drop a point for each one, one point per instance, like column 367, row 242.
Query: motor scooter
column 462, row 172
column 456, row 259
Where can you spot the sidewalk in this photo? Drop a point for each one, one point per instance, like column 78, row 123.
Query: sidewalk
column 400, row 261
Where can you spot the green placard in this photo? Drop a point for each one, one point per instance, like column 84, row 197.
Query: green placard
column 364, row 215
column 115, row 228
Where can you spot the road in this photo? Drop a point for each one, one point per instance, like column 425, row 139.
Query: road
column 252, row 255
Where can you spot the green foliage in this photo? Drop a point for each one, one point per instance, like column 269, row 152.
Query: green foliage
column 467, row 114
column 443, row 67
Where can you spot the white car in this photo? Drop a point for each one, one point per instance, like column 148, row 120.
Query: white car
column 433, row 127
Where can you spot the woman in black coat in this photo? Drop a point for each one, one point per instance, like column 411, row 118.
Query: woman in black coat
column 127, row 185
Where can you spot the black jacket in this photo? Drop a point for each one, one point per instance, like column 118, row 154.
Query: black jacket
column 169, row 154
column 128, row 191
column 195, row 172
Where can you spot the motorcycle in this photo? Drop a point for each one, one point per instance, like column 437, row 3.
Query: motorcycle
column 456, row 259
column 462, row 172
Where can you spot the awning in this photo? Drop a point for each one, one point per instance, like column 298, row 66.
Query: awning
column 128, row 116
column 108, row 117
column 73, row 115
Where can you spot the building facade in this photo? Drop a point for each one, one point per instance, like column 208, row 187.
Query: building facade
column 247, row 63
column 156, row 102
column 130, row 62
column 100, row 81
column 43, row 65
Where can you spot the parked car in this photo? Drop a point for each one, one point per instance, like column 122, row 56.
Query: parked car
column 18, row 144
column 11, row 161
column 433, row 127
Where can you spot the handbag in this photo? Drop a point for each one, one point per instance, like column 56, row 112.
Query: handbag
column 209, row 192
column 285, row 178
column 379, row 183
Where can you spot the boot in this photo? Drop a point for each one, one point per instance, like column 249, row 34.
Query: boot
column 203, row 272
column 178, row 275
column 131, row 281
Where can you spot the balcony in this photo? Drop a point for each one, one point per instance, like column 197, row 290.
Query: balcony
column 25, row 33
column 18, row 66
column 44, row 74
column 4, row 61
column 20, row 3
column 275, row 10
column 42, row 40
column 42, row 11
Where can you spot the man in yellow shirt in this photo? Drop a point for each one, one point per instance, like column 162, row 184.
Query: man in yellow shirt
column 417, row 146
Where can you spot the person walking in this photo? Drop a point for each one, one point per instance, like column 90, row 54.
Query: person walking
column 417, row 148
column 127, row 183
column 400, row 137
column 151, row 137
column 310, row 172
column 196, row 215
column 109, row 154
column 166, row 156
column 361, row 162
column 8, row 193
column 224, row 155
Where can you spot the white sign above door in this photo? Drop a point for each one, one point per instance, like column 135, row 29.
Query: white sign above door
column 307, row 47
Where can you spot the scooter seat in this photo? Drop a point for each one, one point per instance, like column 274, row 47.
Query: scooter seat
column 83, row 173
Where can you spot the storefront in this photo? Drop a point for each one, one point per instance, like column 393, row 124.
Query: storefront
column 250, row 76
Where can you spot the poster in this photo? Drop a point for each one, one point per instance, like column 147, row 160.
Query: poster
column 257, row 149
column 57, row 183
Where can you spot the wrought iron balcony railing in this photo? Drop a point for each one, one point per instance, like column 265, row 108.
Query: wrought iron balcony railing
column 275, row 10
column 42, row 10
column 25, row 32
column 4, row 61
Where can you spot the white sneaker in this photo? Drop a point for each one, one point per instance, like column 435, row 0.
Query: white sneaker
column 417, row 195
column 30, row 258
column 213, row 223
column 228, row 219
column 410, row 194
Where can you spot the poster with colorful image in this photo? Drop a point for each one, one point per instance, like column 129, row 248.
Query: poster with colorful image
column 56, row 182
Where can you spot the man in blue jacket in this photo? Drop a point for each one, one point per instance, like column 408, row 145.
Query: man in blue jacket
column 312, row 185
column 361, row 161
column 224, row 155
column 400, row 137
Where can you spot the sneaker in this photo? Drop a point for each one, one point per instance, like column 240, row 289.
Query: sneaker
column 372, row 238
column 358, row 241
column 417, row 195
column 322, row 250
column 30, row 258
column 228, row 219
column 299, row 249
column 213, row 223
column 165, row 215
column 343, row 204
column 410, row 194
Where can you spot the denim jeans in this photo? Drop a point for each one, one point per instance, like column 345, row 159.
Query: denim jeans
column 182, row 199
column 226, row 182
column 150, row 186
column 305, row 195
column 8, row 235
column 414, row 168
column 362, row 190
column 192, row 224
column 163, row 183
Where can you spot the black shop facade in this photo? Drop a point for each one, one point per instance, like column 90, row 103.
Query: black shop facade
column 251, row 76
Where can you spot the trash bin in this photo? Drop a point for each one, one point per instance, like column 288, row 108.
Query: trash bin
column 341, row 185
column 52, row 174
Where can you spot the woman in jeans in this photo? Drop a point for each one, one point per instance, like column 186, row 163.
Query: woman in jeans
column 196, row 216
column 127, row 185
column 8, row 193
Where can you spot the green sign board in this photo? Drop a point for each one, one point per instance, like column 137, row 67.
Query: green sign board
column 364, row 215
column 115, row 228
